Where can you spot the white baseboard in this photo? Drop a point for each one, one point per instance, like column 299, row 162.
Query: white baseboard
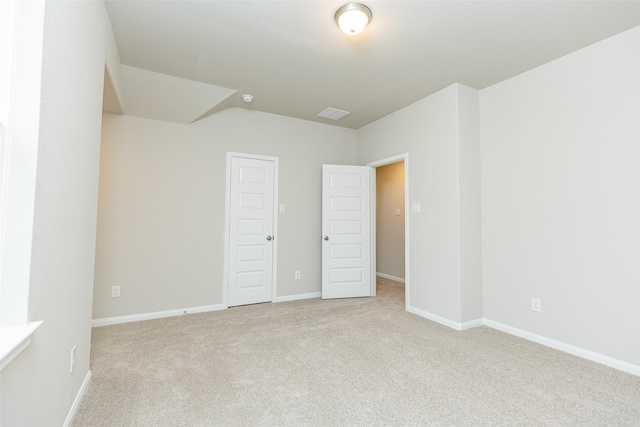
column 181, row 311
column 471, row 324
column 444, row 321
column 155, row 315
column 298, row 296
column 390, row 277
column 567, row 348
column 78, row 400
column 558, row 345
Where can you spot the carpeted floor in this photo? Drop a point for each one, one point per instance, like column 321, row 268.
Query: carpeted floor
column 352, row 362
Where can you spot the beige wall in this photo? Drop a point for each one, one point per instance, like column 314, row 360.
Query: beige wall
column 162, row 205
column 560, row 198
column 37, row 387
column 389, row 226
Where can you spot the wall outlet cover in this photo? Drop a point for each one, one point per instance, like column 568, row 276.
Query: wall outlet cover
column 536, row 305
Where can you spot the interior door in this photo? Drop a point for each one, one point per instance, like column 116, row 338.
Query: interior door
column 346, row 228
column 251, row 226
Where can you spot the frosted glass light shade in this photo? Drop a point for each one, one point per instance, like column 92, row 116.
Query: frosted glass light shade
column 353, row 18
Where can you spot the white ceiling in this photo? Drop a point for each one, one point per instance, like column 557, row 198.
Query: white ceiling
column 292, row 57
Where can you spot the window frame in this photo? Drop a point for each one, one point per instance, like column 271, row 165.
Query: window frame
column 21, row 43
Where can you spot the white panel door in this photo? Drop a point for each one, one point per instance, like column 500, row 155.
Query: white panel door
column 346, row 228
column 251, row 225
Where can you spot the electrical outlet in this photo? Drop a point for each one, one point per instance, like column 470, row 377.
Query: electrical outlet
column 115, row 292
column 297, row 275
column 72, row 366
column 536, row 305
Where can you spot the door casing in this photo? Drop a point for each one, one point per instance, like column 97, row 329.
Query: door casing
column 375, row 164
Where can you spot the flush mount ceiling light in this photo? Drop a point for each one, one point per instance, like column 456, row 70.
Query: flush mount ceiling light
column 352, row 18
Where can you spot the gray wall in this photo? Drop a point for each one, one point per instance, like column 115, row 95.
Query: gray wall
column 37, row 388
column 560, row 164
column 435, row 134
column 162, row 205
column 560, row 198
column 469, row 204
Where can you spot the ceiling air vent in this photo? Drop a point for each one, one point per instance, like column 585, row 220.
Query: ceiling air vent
column 333, row 113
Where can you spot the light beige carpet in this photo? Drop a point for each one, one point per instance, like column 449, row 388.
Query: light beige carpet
column 352, row 362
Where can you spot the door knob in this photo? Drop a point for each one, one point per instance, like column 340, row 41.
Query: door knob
column 326, row 237
column 269, row 237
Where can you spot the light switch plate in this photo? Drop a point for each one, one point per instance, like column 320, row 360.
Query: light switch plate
column 282, row 208
column 415, row 208
column 397, row 212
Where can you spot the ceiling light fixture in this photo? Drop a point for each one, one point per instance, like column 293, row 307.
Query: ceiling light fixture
column 247, row 98
column 352, row 18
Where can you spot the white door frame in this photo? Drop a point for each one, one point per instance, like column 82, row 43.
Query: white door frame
column 227, row 223
column 376, row 164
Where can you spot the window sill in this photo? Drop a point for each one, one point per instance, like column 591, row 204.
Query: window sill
column 13, row 340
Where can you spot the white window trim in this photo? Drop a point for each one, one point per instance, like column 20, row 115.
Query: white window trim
column 21, row 42
column 14, row 339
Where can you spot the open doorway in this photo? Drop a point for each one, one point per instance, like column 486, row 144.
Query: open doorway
column 390, row 237
column 391, row 225
column 390, row 221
